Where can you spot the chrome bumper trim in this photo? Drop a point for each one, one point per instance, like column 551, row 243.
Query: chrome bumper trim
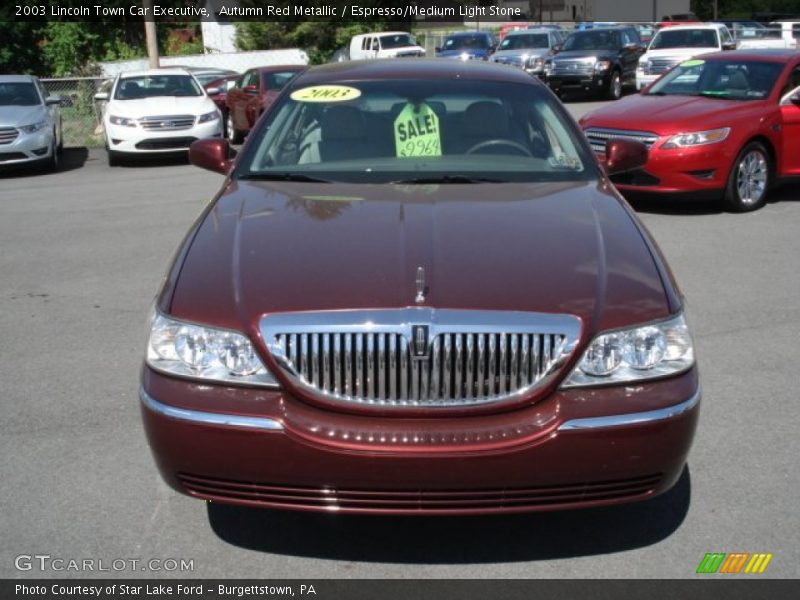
column 207, row 418
column 640, row 418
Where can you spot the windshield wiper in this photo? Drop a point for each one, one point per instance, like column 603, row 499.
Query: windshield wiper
column 448, row 179
column 283, row 177
column 713, row 94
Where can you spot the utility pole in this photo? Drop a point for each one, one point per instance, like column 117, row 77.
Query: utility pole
column 150, row 33
column 716, row 15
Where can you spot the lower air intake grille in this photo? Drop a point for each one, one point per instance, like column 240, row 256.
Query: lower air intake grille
column 405, row 501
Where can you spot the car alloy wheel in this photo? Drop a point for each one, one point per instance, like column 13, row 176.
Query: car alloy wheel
column 749, row 180
column 615, row 87
column 233, row 135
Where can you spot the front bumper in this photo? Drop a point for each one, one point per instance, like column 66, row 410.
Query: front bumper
column 642, row 80
column 27, row 147
column 702, row 171
column 585, row 83
column 140, row 141
column 576, row 448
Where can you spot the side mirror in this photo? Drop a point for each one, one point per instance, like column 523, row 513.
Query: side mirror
column 622, row 156
column 250, row 89
column 212, row 155
column 213, row 91
column 729, row 46
column 101, row 96
column 437, row 49
column 492, row 49
column 53, row 100
column 556, row 49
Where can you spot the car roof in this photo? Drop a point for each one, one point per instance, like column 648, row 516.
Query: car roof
column 16, row 78
column 468, row 34
column 694, row 26
column 411, row 68
column 153, row 72
column 276, row 68
column 531, row 30
column 779, row 55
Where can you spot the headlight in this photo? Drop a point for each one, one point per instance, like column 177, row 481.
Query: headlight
column 635, row 354
column 465, row 56
column 698, row 138
column 35, row 127
column 535, row 63
column 602, row 65
column 212, row 116
column 124, row 121
column 201, row 352
column 548, row 66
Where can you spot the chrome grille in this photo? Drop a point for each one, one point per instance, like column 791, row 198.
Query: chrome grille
column 598, row 137
column 167, row 123
column 656, row 66
column 419, row 357
column 573, row 67
column 8, row 135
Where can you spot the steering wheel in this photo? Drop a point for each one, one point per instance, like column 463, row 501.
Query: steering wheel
column 500, row 142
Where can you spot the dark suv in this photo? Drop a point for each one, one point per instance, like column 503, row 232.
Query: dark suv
column 597, row 61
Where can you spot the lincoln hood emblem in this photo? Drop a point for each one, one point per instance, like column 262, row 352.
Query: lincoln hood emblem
column 420, row 297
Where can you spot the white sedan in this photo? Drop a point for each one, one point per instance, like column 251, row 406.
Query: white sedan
column 157, row 111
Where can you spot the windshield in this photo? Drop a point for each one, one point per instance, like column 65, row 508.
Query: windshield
column 414, row 131
column 466, row 42
column 148, row 86
column 728, row 79
column 686, row 38
column 592, row 40
column 520, row 41
column 18, row 93
column 397, row 41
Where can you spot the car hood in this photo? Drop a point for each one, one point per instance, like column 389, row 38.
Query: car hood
column 676, row 53
column 519, row 53
column 572, row 54
column 16, row 116
column 556, row 248
column 666, row 115
column 459, row 53
column 161, row 105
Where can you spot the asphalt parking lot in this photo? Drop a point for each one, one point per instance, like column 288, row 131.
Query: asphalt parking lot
column 83, row 251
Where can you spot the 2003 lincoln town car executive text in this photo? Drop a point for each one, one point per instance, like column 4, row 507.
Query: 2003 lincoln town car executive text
column 412, row 297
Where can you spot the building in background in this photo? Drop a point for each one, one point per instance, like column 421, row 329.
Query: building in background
column 218, row 32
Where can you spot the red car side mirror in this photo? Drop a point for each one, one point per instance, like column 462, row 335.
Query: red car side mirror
column 623, row 155
column 211, row 154
column 251, row 89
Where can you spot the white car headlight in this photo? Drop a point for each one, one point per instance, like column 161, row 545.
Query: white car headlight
column 212, row 116
column 697, row 138
column 34, row 127
column 602, row 65
column 635, row 354
column 202, row 352
column 124, row 121
column 535, row 63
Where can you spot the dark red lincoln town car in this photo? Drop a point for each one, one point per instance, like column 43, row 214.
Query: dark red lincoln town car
column 418, row 292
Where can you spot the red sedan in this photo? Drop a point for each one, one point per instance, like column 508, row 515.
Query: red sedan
column 417, row 297
column 252, row 94
column 723, row 125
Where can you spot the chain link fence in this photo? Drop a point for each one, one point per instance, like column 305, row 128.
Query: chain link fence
column 80, row 113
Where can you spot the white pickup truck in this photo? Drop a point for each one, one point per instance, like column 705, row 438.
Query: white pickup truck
column 386, row 44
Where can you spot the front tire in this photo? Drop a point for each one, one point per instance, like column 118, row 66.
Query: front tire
column 749, row 179
column 113, row 158
column 614, row 91
column 51, row 163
